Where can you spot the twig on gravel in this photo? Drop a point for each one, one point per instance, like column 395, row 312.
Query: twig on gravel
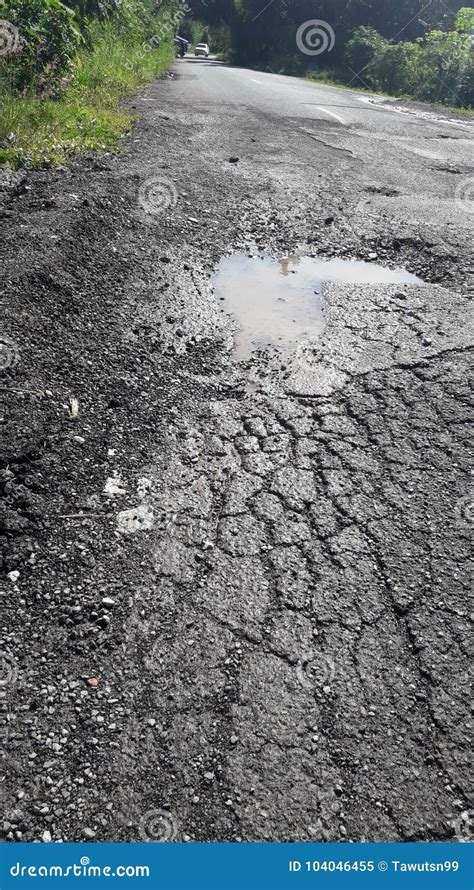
column 83, row 515
column 28, row 392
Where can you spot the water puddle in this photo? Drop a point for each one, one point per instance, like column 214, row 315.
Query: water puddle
column 279, row 302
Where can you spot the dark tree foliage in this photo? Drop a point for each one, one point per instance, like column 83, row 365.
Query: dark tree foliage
column 397, row 45
column 213, row 12
column 87, row 9
column 259, row 23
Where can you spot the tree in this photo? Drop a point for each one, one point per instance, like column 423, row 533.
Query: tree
column 362, row 49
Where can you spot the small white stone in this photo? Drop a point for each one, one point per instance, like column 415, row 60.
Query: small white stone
column 114, row 486
column 13, row 576
column 107, row 602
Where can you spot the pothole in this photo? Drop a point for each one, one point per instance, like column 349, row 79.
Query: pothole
column 276, row 303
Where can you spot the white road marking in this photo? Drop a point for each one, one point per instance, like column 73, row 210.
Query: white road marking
column 332, row 113
column 374, row 102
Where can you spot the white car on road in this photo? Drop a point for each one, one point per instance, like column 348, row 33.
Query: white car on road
column 201, row 49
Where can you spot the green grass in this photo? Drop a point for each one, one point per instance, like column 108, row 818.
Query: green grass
column 332, row 79
column 87, row 116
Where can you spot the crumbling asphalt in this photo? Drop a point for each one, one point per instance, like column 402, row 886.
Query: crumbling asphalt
column 237, row 593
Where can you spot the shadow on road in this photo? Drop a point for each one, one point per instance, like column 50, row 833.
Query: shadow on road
column 196, row 60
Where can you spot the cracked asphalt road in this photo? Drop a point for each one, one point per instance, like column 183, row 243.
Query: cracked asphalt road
column 273, row 643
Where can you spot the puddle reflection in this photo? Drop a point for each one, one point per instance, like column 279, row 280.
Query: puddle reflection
column 278, row 302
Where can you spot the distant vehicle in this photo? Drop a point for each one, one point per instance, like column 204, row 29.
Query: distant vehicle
column 181, row 46
column 201, row 49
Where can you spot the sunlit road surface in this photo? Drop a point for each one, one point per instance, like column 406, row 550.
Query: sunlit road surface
column 259, row 632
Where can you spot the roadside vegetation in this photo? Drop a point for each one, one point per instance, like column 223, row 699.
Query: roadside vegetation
column 381, row 45
column 65, row 68
column 436, row 68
